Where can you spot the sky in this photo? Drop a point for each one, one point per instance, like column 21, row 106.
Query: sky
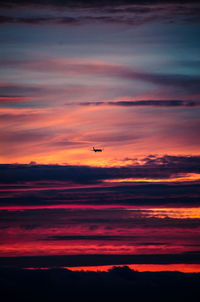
column 122, row 76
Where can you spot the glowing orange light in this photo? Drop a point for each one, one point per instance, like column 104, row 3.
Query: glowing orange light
column 179, row 178
column 185, row 268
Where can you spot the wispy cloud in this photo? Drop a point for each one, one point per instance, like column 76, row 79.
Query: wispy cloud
column 186, row 82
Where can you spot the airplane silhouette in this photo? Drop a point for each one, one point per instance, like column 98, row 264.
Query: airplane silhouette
column 97, row 150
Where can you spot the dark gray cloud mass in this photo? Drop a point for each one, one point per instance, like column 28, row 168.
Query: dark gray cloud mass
column 95, row 3
column 98, row 219
column 153, row 167
column 150, row 194
column 93, row 260
column 52, row 184
column 40, row 20
column 131, row 12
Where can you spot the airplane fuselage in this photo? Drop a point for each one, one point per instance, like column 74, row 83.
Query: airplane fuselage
column 97, row 150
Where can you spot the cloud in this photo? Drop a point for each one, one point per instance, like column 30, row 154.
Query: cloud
column 187, row 83
column 15, row 99
column 70, row 194
column 110, row 5
column 79, row 3
column 151, row 103
column 153, row 167
column 23, row 91
column 99, row 238
column 54, row 184
column 38, row 20
column 9, row 91
column 28, row 136
column 91, row 260
column 97, row 230
column 132, row 13
column 78, row 20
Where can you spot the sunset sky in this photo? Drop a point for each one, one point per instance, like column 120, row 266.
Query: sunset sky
column 123, row 76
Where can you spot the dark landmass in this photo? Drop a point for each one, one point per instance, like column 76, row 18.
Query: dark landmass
column 120, row 282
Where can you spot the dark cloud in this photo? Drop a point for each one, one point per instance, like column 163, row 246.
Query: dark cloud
column 64, row 2
column 142, row 194
column 153, row 167
column 53, row 184
column 92, row 260
column 121, row 12
column 103, row 219
column 169, row 161
column 78, row 20
column 91, row 3
column 18, row 90
column 153, row 103
column 78, row 174
column 185, row 82
column 89, row 237
column 118, row 195
column 39, row 20
column 141, row 221
column 100, row 238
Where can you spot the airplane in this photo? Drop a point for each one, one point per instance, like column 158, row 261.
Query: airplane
column 96, row 150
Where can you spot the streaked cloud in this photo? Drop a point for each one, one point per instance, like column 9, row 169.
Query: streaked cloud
column 189, row 83
column 133, row 13
column 159, row 103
